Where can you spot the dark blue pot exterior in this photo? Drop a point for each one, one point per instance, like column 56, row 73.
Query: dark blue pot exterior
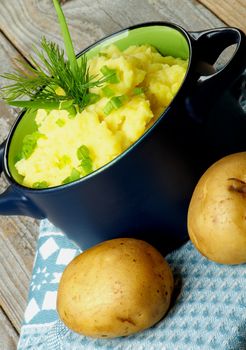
column 146, row 192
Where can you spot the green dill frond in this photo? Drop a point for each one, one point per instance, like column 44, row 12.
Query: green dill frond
column 39, row 81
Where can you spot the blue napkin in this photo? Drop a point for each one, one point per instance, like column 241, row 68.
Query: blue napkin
column 209, row 311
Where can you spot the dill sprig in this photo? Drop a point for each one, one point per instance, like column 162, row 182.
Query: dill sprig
column 39, row 82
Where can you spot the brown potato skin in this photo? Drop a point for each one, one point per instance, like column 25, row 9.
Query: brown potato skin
column 217, row 211
column 116, row 288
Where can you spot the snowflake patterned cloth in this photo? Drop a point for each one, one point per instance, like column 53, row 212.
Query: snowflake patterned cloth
column 209, row 311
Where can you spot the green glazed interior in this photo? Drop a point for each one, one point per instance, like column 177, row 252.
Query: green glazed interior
column 167, row 40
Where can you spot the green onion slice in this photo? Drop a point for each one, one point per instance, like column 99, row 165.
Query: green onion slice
column 116, row 102
column 107, row 91
column 40, row 185
column 108, row 108
column 92, row 98
column 83, row 155
column 83, row 152
column 110, row 74
column 60, row 122
column 29, row 144
column 86, row 165
column 102, row 54
column 138, row 90
column 75, row 175
column 63, row 161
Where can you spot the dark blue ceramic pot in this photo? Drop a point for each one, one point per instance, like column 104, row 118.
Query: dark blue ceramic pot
column 145, row 192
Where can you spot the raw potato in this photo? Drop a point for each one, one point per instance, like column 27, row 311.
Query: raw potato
column 217, row 211
column 115, row 288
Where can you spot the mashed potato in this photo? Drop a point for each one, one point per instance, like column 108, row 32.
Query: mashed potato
column 67, row 147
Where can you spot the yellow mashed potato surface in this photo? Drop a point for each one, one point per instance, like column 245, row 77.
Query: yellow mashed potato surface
column 146, row 84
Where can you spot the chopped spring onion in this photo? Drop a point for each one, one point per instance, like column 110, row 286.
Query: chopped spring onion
column 138, row 90
column 92, row 98
column 40, row 185
column 110, row 74
column 60, row 92
column 60, row 122
column 114, row 103
column 102, row 54
column 83, row 155
column 107, row 91
column 75, row 175
column 63, row 161
column 66, row 104
column 29, row 144
column 123, row 98
column 83, row 152
column 86, row 165
column 108, row 108
column 18, row 157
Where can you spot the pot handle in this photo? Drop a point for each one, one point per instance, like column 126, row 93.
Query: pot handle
column 208, row 45
column 13, row 202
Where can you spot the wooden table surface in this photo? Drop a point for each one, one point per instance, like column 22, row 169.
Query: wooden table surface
column 22, row 24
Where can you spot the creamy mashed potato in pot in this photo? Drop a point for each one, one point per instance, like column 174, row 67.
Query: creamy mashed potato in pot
column 68, row 146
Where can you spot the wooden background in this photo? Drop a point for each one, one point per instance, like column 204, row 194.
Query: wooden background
column 22, row 24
